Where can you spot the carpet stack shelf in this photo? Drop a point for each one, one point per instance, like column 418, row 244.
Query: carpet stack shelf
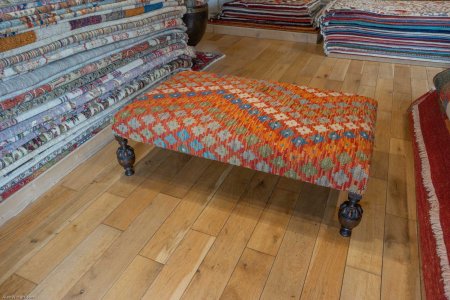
column 414, row 32
column 285, row 20
column 67, row 66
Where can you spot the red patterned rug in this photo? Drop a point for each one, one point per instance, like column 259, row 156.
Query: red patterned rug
column 204, row 60
column 432, row 165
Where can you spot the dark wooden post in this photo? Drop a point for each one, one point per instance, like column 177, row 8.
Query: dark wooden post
column 350, row 214
column 125, row 156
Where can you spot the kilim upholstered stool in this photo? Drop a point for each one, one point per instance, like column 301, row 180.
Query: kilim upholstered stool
column 324, row 138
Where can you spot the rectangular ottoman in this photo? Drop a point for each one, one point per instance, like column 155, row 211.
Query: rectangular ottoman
column 320, row 137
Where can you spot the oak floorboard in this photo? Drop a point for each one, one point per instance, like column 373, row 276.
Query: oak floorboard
column 351, row 82
column 387, row 71
column 418, row 87
column 366, row 246
column 380, row 165
column 16, row 286
column 135, row 280
column 401, row 183
column 370, row 73
column 355, row 67
column 293, row 73
column 360, row 284
column 311, row 66
column 249, row 276
column 142, row 196
column 227, row 41
column 186, row 178
column 38, row 267
column 143, row 168
column 339, row 70
column 402, row 101
column 24, row 223
column 257, row 48
column 171, row 199
column 400, row 125
column 333, row 85
column 214, row 216
column 275, row 72
column 96, row 282
column 53, row 212
column 366, row 90
column 219, row 263
column 289, row 184
column 80, row 177
column 326, row 269
column 384, row 94
column 402, row 78
column 418, row 72
column 383, row 131
column 289, row 270
column 271, row 227
column 328, row 261
column 325, row 68
column 431, row 72
column 176, row 226
column 247, row 68
column 400, row 275
column 318, row 83
column 22, row 243
column 61, row 279
column 181, row 267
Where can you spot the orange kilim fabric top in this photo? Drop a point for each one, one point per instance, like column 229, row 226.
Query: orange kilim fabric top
column 321, row 137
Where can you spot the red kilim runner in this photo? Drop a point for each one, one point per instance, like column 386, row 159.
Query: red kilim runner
column 432, row 165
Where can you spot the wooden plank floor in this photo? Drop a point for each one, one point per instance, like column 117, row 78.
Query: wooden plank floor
column 189, row 228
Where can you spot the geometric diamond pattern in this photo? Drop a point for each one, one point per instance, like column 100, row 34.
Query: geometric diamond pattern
column 317, row 136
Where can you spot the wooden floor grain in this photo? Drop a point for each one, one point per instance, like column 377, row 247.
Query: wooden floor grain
column 188, row 228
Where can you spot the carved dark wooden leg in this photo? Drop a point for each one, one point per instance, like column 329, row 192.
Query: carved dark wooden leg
column 350, row 214
column 125, row 156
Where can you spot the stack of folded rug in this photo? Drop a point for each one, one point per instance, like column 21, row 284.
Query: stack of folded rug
column 414, row 30
column 293, row 15
column 67, row 66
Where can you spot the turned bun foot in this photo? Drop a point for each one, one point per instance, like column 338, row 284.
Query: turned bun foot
column 350, row 214
column 125, row 156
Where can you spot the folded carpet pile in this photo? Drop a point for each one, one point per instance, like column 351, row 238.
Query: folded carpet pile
column 67, row 66
column 414, row 30
column 292, row 15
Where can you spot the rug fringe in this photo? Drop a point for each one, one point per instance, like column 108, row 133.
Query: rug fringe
column 434, row 203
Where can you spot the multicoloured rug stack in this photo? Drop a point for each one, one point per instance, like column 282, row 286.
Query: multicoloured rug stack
column 67, row 66
column 293, row 15
column 414, row 30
